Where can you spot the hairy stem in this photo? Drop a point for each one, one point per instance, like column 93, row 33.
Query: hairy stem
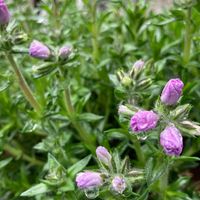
column 19, row 153
column 23, row 84
column 163, row 185
column 95, row 33
column 188, row 38
column 84, row 135
column 56, row 15
column 138, row 149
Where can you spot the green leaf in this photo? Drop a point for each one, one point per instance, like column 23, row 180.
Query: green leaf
column 144, row 195
column 43, row 69
column 67, row 186
column 186, row 158
column 178, row 14
column 4, row 81
column 77, row 167
column 113, row 79
column 89, row 117
column 148, row 171
column 120, row 93
column 117, row 161
column 160, row 170
column 4, row 86
column 35, row 190
column 5, row 162
column 56, row 172
column 154, row 169
column 165, row 22
column 180, row 183
column 181, row 112
column 189, row 127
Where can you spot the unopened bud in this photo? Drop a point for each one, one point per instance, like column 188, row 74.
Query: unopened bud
column 192, row 128
column 103, row 156
column 137, row 68
column 4, row 13
column 39, row 50
column 143, row 121
column 125, row 110
column 88, row 180
column 144, row 84
column 172, row 92
column 181, row 112
column 19, row 38
column 120, row 75
column 118, row 184
column 172, row 141
column 139, row 64
column 64, row 52
column 126, row 81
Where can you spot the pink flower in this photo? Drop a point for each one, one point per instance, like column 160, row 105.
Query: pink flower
column 39, row 50
column 143, row 121
column 64, row 52
column 139, row 64
column 172, row 91
column 118, row 184
column 4, row 13
column 172, row 141
column 87, row 180
column 103, row 155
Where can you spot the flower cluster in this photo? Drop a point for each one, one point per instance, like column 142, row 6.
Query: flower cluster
column 107, row 174
column 41, row 51
column 134, row 78
column 142, row 121
column 52, row 59
column 11, row 36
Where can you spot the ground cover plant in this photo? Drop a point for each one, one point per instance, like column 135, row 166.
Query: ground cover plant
column 99, row 100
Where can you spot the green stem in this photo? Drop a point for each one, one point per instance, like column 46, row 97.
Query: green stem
column 68, row 103
column 95, row 33
column 88, row 140
column 138, row 149
column 85, row 137
column 23, row 84
column 19, row 153
column 164, row 184
column 56, row 15
column 188, row 37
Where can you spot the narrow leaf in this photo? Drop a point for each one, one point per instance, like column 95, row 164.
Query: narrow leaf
column 35, row 190
column 5, row 162
column 89, row 117
column 77, row 167
column 187, row 158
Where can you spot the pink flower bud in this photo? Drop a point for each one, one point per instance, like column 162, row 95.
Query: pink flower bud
column 88, row 180
column 39, row 50
column 4, row 13
column 103, row 155
column 124, row 110
column 139, row 64
column 118, row 184
column 172, row 91
column 143, row 121
column 64, row 52
column 172, row 141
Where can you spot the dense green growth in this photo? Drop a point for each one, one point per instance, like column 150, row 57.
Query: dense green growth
column 43, row 149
